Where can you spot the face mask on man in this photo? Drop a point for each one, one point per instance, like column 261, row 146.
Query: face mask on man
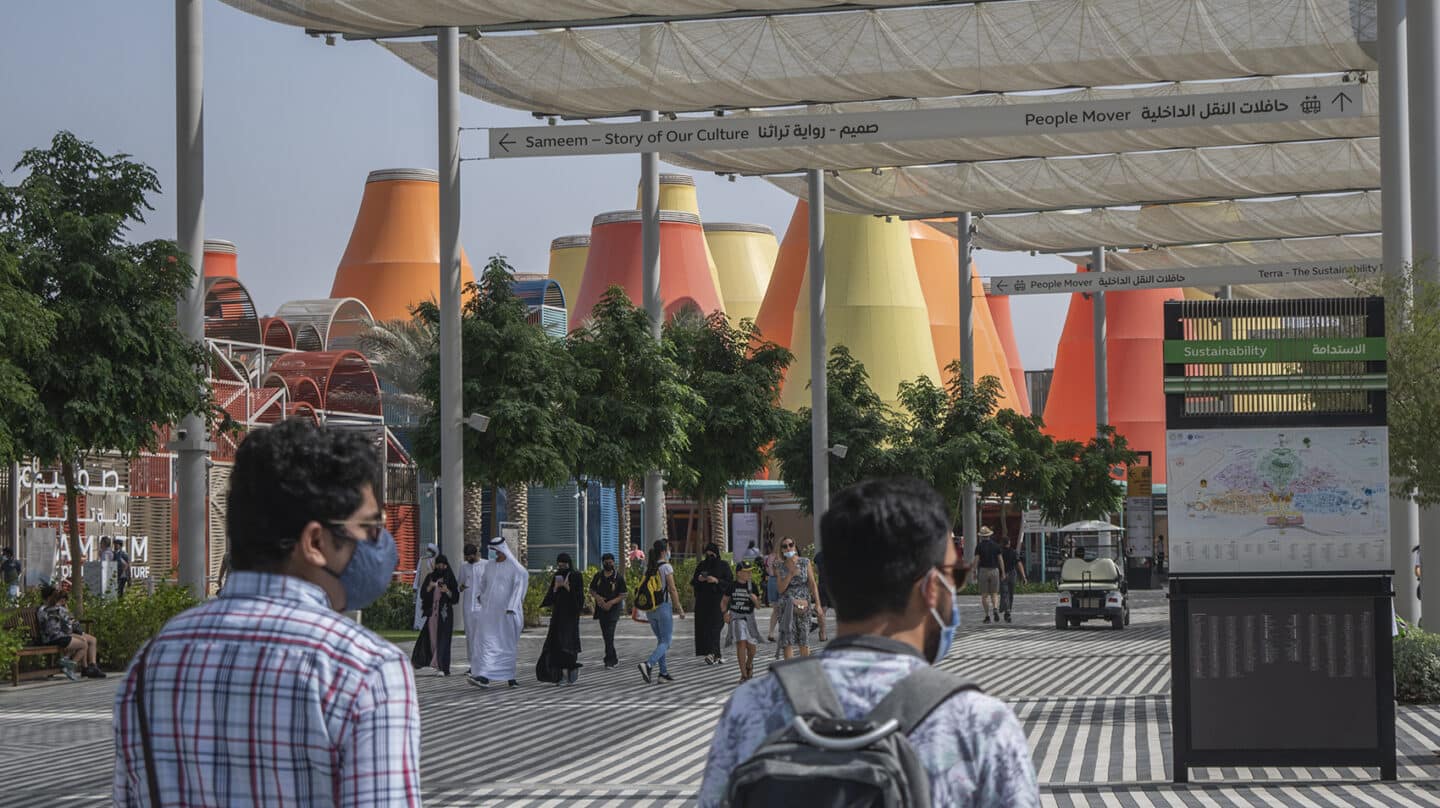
column 609, row 566
column 947, row 632
column 367, row 575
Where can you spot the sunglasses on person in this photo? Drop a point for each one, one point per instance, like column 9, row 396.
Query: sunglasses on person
column 371, row 530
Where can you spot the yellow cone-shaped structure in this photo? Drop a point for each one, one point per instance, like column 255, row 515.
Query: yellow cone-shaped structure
column 677, row 192
column 874, row 306
column 744, row 258
column 567, row 267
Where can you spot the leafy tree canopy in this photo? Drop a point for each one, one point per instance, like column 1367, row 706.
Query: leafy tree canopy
column 1086, row 489
column 26, row 327
column 1412, row 315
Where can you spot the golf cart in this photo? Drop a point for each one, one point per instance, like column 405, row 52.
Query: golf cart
column 1092, row 579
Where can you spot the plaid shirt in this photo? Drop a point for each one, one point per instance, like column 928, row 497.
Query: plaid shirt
column 266, row 696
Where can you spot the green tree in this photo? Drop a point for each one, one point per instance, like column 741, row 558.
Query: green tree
column 116, row 366
column 1086, row 489
column 636, row 412
column 26, row 327
column 859, row 420
column 1412, row 316
column 1031, row 469
column 736, row 376
column 516, row 374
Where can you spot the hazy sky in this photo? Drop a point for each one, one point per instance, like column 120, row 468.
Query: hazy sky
column 293, row 127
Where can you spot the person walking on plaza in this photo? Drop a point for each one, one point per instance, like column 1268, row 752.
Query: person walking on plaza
column 502, row 617
column 423, row 568
column 888, row 567
column 267, row 694
column 441, row 592
column 739, row 607
column 661, row 618
column 79, row 652
column 1013, row 570
column 10, row 569
column 990, row 568
column 560, row 656
column 472, row 573
column 711, row 581
column 799, row 595
column 607, row 589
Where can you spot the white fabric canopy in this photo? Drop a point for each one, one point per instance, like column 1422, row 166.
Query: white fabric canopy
column 1105, row 180
column 923, row 52
column 397, row 16
column 1289, row 217
column 903, row 153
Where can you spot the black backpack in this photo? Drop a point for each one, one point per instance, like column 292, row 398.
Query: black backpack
column 822, row 760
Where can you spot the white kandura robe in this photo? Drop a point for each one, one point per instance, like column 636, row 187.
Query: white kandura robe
column 472, row 577
column 502, row 590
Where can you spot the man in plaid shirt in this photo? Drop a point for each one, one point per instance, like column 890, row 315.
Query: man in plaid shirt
column 266, row 696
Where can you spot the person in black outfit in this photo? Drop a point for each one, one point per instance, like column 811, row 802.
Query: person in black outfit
column 711, row 582
column 1010, row 560
column 991, row 568
column 438, row 596
column 560, row 658
column 608, row 590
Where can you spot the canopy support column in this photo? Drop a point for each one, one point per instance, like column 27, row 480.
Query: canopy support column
column 819, row 354
column 1102, row 359
column 1422, row 29
column 970, row 505
column 191, row 441
column 1396, row 237
column 652, row 515
column 452, row 459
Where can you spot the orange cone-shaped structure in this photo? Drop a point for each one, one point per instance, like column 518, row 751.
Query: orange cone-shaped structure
column 1135, row 347
column 776, row 318
column 999, row 306
column 744, row 257
column 937, row 257
column 615, row 260
column 393, row 259
column 874, row 307
column 677, row 192
column 220, row 259
column 567, row 267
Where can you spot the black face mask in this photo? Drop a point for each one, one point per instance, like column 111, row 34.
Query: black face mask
column 609, row 567
column 562, row 568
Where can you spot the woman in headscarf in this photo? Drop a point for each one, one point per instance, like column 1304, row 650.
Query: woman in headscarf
column 439, row 594
column 559, row 658
column 711, row 583
column 423, row 568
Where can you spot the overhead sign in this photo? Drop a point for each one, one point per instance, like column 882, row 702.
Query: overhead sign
column 891, row 126
column 1130, row 281
column 1253, row 351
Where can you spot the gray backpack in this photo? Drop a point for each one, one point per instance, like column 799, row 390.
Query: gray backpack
column 822, row 760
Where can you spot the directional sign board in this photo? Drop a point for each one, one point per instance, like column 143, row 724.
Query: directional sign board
column 890, row 126
column 1244, row 275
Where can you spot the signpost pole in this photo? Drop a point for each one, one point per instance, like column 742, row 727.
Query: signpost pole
column 970, row 505
column 819, row 394
column 1396, row 237
column 452, row 460
column 1422, row 29
column 1102, row 363
column 652, row 518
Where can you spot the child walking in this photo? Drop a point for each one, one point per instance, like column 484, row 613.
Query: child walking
column 738, row 604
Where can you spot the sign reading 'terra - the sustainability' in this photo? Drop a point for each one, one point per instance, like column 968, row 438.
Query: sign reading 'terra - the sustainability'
column 889, row 126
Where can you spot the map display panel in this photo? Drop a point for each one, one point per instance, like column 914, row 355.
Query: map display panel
column 1262, row 500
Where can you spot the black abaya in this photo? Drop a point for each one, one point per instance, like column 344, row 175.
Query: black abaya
column 438, row 652
column 708, row 619
column 562, row 641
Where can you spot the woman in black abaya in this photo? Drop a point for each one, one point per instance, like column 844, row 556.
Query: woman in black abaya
column 711, row 583
column 438, row 596
column 559, row 659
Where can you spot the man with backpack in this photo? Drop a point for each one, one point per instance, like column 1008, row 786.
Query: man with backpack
column 870, row 721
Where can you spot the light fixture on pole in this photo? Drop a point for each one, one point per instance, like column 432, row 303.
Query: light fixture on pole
column 478, row 422
column 840, row 450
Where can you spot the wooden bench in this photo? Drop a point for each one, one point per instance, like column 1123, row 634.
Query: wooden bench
column 28, row 621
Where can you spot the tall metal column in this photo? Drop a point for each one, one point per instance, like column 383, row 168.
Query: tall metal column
column 1102, row 358
column 652, row 517
column 452, row 458
column 190, row 439
column 969, row 504
column 1423, row 37
column 819, row 353
column 1396, row 237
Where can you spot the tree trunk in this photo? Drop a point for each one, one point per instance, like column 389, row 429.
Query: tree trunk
column 622, row 518
column 719, row 523
column 474, row 514
column 72, row 524
column 1004, row 523
column 517, row 507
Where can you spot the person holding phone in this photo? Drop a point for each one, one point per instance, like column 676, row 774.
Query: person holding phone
column 559, row 658
column 608, row 590
column 799, row 594
column 439, row 594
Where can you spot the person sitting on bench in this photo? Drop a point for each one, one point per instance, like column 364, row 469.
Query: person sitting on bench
column 60, row 629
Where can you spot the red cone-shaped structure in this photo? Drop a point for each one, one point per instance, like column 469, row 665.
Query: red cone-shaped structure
column 615, row 260
column 999, row 306
column 776, row 319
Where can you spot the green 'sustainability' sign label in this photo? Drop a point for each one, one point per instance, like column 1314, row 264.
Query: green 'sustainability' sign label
column 1249, row 351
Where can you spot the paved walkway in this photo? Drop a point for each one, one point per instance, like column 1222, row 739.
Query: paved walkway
column 1094, row 703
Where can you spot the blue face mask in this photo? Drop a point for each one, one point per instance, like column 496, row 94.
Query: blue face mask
column 947, row 633
column 367, row 575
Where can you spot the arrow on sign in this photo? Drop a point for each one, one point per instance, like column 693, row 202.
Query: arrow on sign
column 1000, row 285
column 505, row 141
column 1341, row 98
